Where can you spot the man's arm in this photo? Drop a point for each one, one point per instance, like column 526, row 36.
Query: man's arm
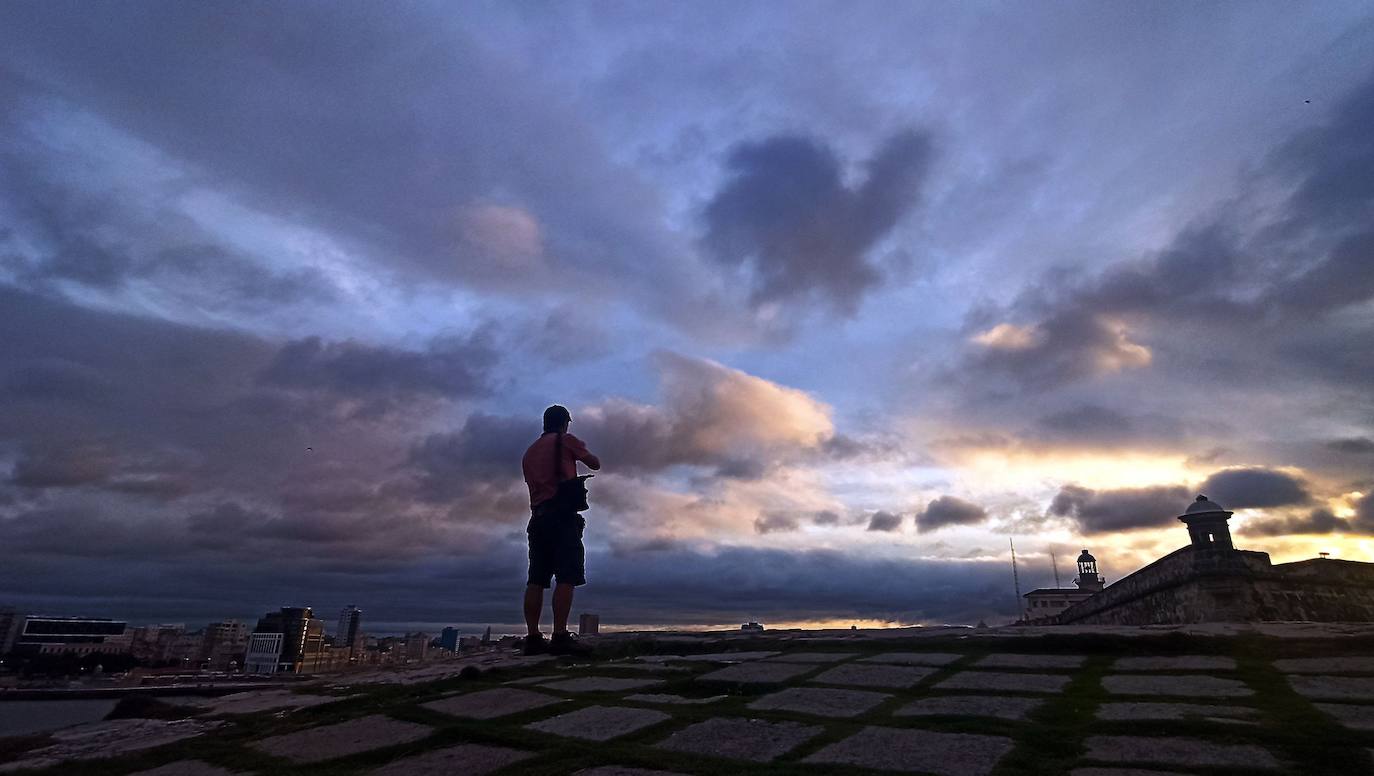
column 581, row 453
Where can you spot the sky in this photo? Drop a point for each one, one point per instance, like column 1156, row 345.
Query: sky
column 846, row 297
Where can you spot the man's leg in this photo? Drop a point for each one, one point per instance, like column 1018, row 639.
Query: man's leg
column 534, row 605
column 562, row 605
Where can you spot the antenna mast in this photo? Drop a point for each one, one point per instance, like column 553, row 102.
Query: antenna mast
column 1016, row 579
column 1054, row 562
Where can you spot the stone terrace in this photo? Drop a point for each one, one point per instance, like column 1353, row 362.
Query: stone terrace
column 953, row 703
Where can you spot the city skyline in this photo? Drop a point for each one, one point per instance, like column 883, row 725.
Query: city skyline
column 844, row 299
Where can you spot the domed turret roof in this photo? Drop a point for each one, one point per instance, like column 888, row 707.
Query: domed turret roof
column 1086, row 556
column 1202, row 505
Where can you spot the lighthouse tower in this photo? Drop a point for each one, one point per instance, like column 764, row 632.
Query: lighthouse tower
column 1088, row 578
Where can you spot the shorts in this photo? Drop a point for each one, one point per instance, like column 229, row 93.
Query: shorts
column 556, row 548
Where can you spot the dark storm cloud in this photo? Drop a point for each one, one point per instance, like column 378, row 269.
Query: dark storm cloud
column 948, row 510
column 1352, row 445
column 1318, row 521
column 1124, row 509
column 485, row 453
column 451, row 367
column 786, row 214
column 160, row 417
column 771, row 522
column 727, row 585
column 1253, row 487
column 885, row 521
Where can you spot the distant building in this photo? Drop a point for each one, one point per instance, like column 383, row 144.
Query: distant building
column 263, row 655
column 155, row 643
column 82, row 635
column 350, row 629
column 1044, row 604
column 1211, row 581
column 416, row 647
column 10, row 623
column 302, row 649
column 589, row 625
column 468, row 643
column 448, row 639
column 751, row 627
column 224, row 644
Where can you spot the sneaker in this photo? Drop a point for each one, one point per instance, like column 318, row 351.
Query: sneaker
column 536, row 645
column 566, row 644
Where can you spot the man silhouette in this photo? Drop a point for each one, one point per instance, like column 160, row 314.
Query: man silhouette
column 555, row 532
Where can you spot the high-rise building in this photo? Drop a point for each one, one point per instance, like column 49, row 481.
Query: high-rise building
column 448, row 639
column 589, row 625
column 350, row 628
column 302, row 645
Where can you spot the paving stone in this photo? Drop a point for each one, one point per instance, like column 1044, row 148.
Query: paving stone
column 822, row 702
column 1170, row 711
column 489, row 704
column 1338, row 688
column 1170, row 750
column 989, row 680
column 890, row 749
column 1176, row 663
column 1001, row 706
column 111, row 738
column 342, row 739
column 757, row 673
column 618, row 771
column 601, row 684
column 188, row 768
column 1353, row 716
column 256, row 701
column 875, row 675
column 1182, row 686
column 812, row 657
column 674, row 699
column 1030, row 661
column 913, row 658
column 467, row 759
column 541, row 678
column 599, row 723
column 714, row 657
column 740, row 739
column 1121, row 772
column 1326, row 665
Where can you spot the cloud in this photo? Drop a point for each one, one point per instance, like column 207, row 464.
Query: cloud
column 1063, row 348
column 884, row 521
column 1318, row 521
column 712, row 416
column 1124, row 509
column 1255, row 487
column 776, row 521
column 787, row 215
column 948, row 510
column 1352, row 445
column 384, row 377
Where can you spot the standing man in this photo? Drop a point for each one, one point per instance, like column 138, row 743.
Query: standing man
column 555, row 534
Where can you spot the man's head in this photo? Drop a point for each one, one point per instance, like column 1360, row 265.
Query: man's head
column 556, row 418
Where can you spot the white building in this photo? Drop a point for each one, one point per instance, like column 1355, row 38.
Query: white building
column 264, row 653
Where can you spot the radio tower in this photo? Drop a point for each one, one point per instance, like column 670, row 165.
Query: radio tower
column 1055, row 562
column 1016, row 580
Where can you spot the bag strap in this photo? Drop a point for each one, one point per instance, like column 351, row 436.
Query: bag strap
column 558, row 458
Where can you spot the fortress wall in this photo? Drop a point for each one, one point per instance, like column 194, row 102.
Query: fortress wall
column 1190, row 586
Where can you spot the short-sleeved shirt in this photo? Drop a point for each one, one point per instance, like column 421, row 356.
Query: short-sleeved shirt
column 540, row 475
